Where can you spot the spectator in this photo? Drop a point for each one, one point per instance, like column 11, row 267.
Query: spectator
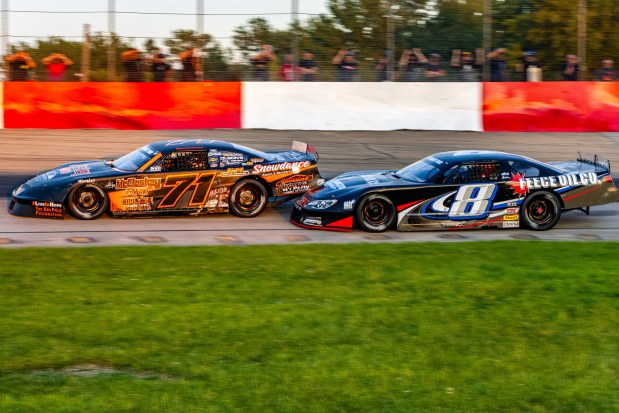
column 56, row 64
column 158, row 65
column 286, row 71
column 498, row 65
column 434, row 69
column 412, row 64
column 346, row 66
column 570, row 69
column 530, row 67
column 132, row 62
column 260, row 63
column 606, row 72
column 382, row 69
column 468, row 66
column 20, row 64
column 191, row 65
column 307, row 67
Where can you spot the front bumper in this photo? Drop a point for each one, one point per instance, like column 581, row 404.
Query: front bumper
column 35, row 209
column 315, row 219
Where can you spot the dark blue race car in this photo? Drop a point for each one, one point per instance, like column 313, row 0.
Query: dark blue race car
column 458, row 190
column 187, row 176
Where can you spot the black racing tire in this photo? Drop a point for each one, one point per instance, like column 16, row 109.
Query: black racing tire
column 88, row 201
column 248, row 198
column 375, row 213
column 540, row 211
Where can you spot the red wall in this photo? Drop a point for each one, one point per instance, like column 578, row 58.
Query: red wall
column 551, row 107
column 66, row 105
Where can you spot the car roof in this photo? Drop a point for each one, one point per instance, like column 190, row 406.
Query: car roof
column 175, row 144
column 453, row 157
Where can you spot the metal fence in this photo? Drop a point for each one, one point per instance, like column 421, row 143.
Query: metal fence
column 97, row 36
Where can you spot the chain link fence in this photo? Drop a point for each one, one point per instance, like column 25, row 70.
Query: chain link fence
column 330, row 40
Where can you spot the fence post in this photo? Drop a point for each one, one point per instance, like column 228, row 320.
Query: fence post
column 86, row 54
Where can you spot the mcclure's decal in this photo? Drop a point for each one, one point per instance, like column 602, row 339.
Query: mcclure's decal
column 521, row 185
column 284, row 167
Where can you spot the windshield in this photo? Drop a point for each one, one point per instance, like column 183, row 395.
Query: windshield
column 424, row 170
column 135, row 159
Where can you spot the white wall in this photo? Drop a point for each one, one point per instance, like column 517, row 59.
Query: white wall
column 362, row 106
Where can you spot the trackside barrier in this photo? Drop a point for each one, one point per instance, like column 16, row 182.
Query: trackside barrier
column 514, row 106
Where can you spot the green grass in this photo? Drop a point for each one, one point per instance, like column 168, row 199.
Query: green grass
column 462, row 327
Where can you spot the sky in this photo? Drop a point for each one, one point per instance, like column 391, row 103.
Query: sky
column 29, row 20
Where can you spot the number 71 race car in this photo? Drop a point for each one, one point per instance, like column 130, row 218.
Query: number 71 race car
column 171, row 177
column 458, row 190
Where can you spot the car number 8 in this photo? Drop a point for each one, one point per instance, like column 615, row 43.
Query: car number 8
column 472, row 201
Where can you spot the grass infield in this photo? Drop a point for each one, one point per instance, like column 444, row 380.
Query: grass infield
column 435, row 327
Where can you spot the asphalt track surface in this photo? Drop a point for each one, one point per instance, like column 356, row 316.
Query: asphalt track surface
column 23, row 153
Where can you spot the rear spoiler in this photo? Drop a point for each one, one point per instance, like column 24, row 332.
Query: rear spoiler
column 304, row 148
column 605, row 164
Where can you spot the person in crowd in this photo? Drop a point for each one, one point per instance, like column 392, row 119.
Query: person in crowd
column 467, row 65
column 529, row 67
column 498, row 65
column 382, row 68
column 20, row 64
column 435, row 72
column 260, row 63
column 606, row 72
column 287, row 70
column 132, row 62
column 158, row 65
column 570, row 69
column 307, row 67
column 412, row 64
column 347, row 67
column 191, row 65
column 56, row 64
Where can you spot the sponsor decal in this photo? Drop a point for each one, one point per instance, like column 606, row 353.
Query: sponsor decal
column 510, row 217
column 511, row 224
column 149, row 183
column 110, row 186
column 155, row 168
column 284, row 167
column 335, row 184
column 45, row 209
column 510, row 211
column 86, row 181
column 512, row 204
column 349, row 204
column 294, row 184
column 80, row 169
column 235, row 172
column 521, row 185
column 256, row 160
column 230, row 158
column 312, row 221
column 370, row 179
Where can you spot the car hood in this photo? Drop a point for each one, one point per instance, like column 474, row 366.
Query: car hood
column 351, row 181
column 73, row 171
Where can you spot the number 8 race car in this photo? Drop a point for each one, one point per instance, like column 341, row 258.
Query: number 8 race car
column 458, row 190
column 171, row 177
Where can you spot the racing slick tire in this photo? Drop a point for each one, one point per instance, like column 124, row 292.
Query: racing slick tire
column 540, row 211
column 248, row 198
column 87, row 201
column 375, row 213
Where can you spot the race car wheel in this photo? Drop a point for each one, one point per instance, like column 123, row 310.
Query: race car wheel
column 375, row 213
column 540, row 211
column 248, row 198
column 87, row 201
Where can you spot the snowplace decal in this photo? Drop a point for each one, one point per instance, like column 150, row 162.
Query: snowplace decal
column 522, row 185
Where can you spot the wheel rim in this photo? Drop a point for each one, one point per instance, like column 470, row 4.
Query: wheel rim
column 248, row 198
column 540, row 211
column 88, row 201
column 375, row 213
